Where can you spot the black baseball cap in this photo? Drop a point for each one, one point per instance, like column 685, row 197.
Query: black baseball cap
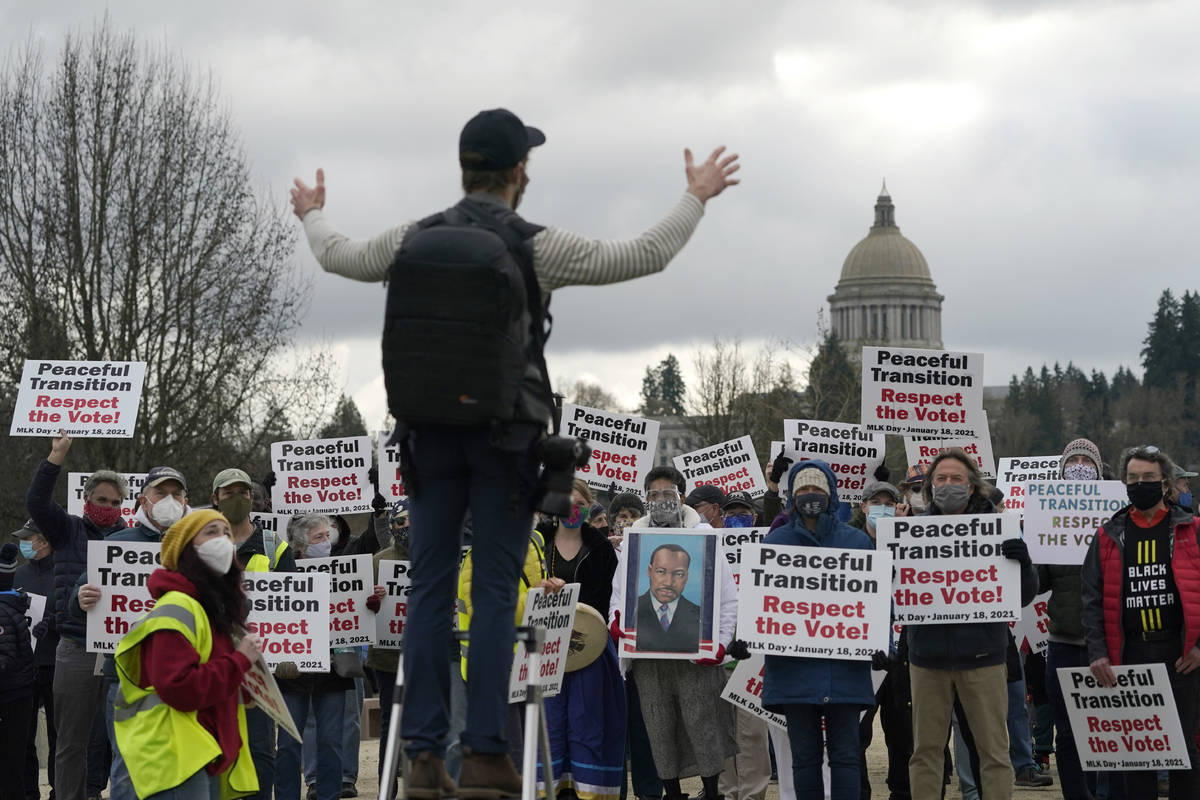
column 500, row 137
column 705, row 494
column 738, row 499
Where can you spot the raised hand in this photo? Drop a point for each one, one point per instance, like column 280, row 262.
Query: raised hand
column 709, row 179
column 305, row 198
column 59, row 448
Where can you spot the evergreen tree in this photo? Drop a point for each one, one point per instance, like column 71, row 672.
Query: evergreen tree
column 834, row 383
column 1162, row 356
column 663, row 389
column 347, row 421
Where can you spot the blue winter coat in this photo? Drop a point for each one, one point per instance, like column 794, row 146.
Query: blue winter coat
column 792, row 680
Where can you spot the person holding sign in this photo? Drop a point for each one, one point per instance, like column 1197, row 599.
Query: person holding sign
column 78, row 691
column 179, row 717
column 811, row 690
column 17, row 675
column 966, row 659
column 1141, row 600
column 36, row 576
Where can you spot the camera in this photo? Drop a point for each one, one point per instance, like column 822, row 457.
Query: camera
column 560, row 457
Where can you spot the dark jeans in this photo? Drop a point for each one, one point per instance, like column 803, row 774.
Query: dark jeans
column 455, row 469
column 14, row 738
column 1185, row 783
column 43, row 697
column 328, row 708
column 80, row 769
column 646, row 782
column 895, row 717
column 260, row 730
column 99, row 755
column 841, row 740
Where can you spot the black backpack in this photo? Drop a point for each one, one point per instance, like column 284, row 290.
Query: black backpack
column 465, row 326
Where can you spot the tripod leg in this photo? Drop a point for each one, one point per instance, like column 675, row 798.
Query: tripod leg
column 387, row 780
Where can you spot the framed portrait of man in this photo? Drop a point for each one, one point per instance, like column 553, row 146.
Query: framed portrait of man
column 672, row 602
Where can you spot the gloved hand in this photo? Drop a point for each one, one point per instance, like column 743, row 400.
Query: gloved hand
column 882, row 473
column 880, row 661
column 374, row 602
column 287, row 670
column 269, row 480
column 373, row 476
column 779, row 466
column 738, row 650
column 716, row 660
column 1017, row 550
column 40, row 629
column 378, row 503
column 614, row 630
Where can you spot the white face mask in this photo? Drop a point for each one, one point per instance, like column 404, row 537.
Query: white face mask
column 166, row 512
column 319, row 550
column 217, row 554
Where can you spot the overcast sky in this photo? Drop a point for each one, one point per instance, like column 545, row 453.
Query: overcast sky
column 1042, row 155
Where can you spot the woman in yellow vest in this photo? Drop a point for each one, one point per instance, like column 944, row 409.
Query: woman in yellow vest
column 179, row 719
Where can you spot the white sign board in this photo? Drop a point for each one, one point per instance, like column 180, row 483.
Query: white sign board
column 730, row 466
column 732, row 540
column 852, row 452
column 949, row 569
column 83, row 398
column 322, row 476
column 120, row 570
column 923, row 449
column 290, row 611
column 1033, row 629
column 37, row 610
column 1061, row 517
column 815, row 602
column 622, row 446
column 1012, row 474
column 1132, row 726
column 259, row 683
column 396, row 578
column 915, row 392
column 391, row 484
column 554, row 612
column 745, row 688
column 351, row 582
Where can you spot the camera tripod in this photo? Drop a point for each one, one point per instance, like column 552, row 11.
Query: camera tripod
column 536, row 732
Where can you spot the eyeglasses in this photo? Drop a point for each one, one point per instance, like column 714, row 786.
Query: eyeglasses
column 660, row 495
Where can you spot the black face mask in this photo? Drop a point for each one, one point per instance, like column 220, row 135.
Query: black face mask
column 603, row 530
column 1145, row 495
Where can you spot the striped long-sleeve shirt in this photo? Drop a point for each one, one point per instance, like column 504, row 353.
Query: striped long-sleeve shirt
column 560, row 258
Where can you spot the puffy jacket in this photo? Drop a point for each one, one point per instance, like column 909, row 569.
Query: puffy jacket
column 1103, row 583
column 817, row 681
column 533, row 573
column 68, row 535
column 37, row 577
column 17, row 672
column 1065, row 606
column 966, row 645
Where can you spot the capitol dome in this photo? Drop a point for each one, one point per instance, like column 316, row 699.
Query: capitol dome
column 885, row 295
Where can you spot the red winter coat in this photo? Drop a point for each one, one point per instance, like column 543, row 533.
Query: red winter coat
column 1103, row 584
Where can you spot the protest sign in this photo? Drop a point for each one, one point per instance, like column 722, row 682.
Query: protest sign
column 120, row 570
column 852, row 452
column 555, row 613
column 77, row 480
column 923, row 449
column 922, row 392
column 34, row 614
column 290, row 611
column 744, row 689
column 272, row 524
column 1131, row 726
column 351, row 582
column 391, row 485
column 1033, row 629
column 322, row 476
column 950, row 569
column 815, row 602
column 259, row 683
column 730, row 466
column 1012, row 474
column 672, row 573
column 1061, row 517
column 396, row 577
column 732, row 540
column 622, row 446
column 84, row 398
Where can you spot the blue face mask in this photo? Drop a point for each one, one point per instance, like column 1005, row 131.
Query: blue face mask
column 875, row 512
column 739, row 521
column 27, row 549
column 1185, row 499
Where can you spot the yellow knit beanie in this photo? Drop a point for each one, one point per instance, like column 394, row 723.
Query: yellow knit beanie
column 182, row 532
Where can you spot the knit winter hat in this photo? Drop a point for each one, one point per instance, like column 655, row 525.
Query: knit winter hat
column 178, row 535
column 1082, row 447
column 810, row 476
column 626, row 500
column 8, row 565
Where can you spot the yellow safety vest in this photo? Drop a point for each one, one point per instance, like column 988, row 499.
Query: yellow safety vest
column 261, row 563
column 164, row 746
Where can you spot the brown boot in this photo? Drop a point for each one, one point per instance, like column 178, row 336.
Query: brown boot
column 487, row 776
column 428, row 779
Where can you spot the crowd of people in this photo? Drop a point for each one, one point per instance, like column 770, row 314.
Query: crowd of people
column 172, row 717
